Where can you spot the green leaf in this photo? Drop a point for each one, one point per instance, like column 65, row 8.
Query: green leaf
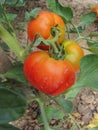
column 11, row 17
column 53, row 113
column 4, row 46
column 90, row 42
column 73, row 30
column 73, row 127
column 12, row 105
column 94, row 34
column 32, row 14
column 94, row 48
column 52, row 5
column 95, row 128
column 66, row 105
column 87, row 19
column 88, row 75
column 7, row 127
column 16, row 3
column 17, row 74
column 65, row 12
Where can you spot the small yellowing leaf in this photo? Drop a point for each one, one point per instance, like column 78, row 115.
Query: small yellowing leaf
column 93, row 122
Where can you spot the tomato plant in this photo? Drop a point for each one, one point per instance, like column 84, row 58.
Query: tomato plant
column 95, row 9
column 43, row 24
column 51, row 74
column 47, row 74
column 73, row 52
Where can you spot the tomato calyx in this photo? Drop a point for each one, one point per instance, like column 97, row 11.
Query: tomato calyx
column 55, row 49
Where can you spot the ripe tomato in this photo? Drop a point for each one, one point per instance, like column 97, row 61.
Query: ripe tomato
column 95, row 9
column 47, row 74
column 43, row 23
column 73, row 52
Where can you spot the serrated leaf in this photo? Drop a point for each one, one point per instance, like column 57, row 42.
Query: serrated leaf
column 73, row 30
column 53, row 113
column 88, row 76
column 17, row 74
column 52, row 5
column 73, row 127
column 11, row 17
column 32, row 14
column 7, row 127
column 4, row 46
column 12, row 105
column 94, row 48
column 65, row 12
column 92, row 43
column 66, row 105
column 87, row 19
column 16, row 3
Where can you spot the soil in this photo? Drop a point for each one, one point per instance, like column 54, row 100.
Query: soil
column 86, row 102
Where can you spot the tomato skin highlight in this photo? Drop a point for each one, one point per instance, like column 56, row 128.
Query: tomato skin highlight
column 42, row 24
column 47, row 74
column 95, row 9
column 74, row 53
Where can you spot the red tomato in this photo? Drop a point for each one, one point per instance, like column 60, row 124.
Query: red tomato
column 47, row 74
column 95, row 9
column 43, row 23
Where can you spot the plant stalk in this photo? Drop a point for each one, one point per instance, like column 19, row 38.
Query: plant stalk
column 77, row 124
column 12, row 43
column 7, row 21
column 41, row 104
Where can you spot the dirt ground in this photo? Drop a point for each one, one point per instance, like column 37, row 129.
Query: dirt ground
column 86, row 102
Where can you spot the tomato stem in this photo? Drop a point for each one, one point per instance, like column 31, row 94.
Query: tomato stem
column 10, row 27
column 41, row 104
column 68, row 31
column 74, row 120
column 95, row 34
column 74, row 26
column 12, row 43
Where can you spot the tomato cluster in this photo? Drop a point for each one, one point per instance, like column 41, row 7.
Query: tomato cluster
column 42, row 69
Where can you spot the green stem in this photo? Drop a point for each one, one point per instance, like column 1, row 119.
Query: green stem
column 68, row 31
column 53, row 46
column 16, row 2
column 54, row 40
column 45, row 121
column 76, row 29
column 12, row 43
column 77, row 124
column 82, row 38
column 95, row 34
column 8, row 22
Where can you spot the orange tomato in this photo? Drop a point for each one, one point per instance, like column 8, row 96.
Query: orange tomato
column 73, row 52
column 95, row 9
column 43, row 23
